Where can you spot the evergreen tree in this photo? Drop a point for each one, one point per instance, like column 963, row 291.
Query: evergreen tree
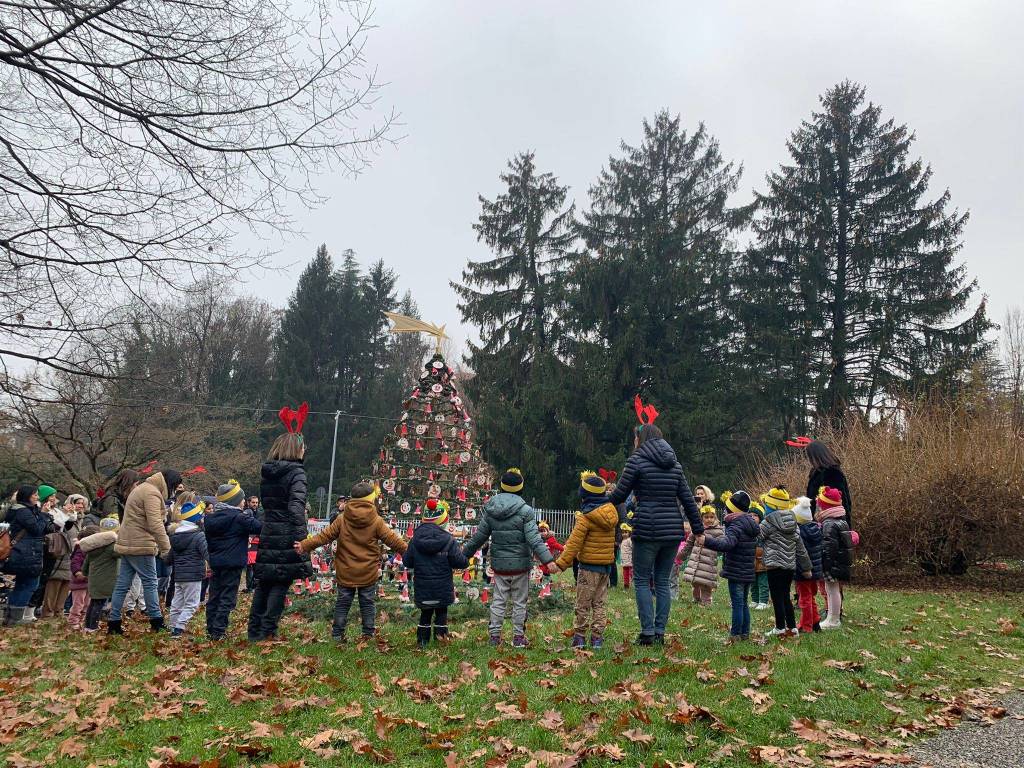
column 859, row 265
column 651, row 304
column 516, row 298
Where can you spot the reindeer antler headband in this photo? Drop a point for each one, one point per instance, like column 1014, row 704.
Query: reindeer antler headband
column 294, row 420
column 645, row 413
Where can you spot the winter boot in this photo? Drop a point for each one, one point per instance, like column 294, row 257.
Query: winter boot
column 645, row 640
column 441, row 633
column 596, row 642
column 114, row 627
column 9, row 620
column 422, row 636
column 495, row 641
column 520, row 641
column 579, row 641
column 157, row 625
column 177, row 633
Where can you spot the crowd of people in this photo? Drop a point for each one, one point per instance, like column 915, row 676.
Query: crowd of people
column 153, row 543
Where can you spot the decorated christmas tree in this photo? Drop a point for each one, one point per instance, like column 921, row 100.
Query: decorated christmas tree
column 430, row 454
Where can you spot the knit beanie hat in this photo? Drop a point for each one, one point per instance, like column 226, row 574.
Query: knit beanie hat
column 512, row 481
column 592, row 486
column 193, row 513
column 109, row 524
column 738, row 502
column 778, row 498
column 45, row 492
column 827, row 498
column 435, row 511
column 802, row 510
column 364, row 490
column 757, row 509
column 230, row 493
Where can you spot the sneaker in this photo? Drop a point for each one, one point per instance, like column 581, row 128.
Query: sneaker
column 817, row 626
column 597, row 643
column 495, row 641
column 829, row 624
column 89, row 631
column 792, row 632
column 578, row 641
column 177, row 632
column 338, row 639
column 760, row 606
column 775, row 632
column 645, row 640
column 520, row 641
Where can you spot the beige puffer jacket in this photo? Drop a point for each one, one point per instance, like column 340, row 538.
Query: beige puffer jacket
column 702, row 567
column 142, row 531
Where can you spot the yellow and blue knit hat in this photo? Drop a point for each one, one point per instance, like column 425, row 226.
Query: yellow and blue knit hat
column 512, row 481
column 778, row 498
column 193, row 513
column 591, row 485
column 738, row 502
column 230, row 493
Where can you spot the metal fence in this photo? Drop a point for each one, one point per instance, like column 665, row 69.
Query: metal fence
column 561, row 521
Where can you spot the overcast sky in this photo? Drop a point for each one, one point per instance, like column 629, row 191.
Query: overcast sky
column 476, row 82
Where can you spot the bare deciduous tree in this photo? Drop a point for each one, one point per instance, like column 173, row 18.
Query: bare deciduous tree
column 136, row 136
column 1012, row 343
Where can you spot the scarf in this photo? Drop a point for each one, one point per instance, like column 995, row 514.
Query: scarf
column 832, row 513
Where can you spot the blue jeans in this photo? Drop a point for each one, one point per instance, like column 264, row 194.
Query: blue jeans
column 653, row 559
column 739, row 596
column 24, row 586
column 145, row 567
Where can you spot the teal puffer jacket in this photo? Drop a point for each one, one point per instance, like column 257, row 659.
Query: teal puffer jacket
column 511, row 525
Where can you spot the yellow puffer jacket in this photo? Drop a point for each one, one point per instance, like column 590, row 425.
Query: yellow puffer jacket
column 592, row 540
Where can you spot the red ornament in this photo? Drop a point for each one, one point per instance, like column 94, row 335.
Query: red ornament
column 409, row 531
column 466, row 576
column 485, row 596
column 404, row 429
column 444, row 459
column 419, row 444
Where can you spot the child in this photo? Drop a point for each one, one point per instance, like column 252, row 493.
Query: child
column 759, row 590
column 626, row 554
column 100, row 569
column 738, row 545
column 702, row 565
column 836, row 553
column 187, row 557
column 783, row 551
column 549, row 539
column 227, row 530
column 806, row 589
column 359, row 532
column 79, row 582
column 510, row 525
column 592, row 543
column 432, row 556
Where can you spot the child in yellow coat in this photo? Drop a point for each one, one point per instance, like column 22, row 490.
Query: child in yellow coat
column 592, row 543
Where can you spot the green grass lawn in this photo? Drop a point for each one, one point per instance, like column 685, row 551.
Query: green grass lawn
column 904, row 664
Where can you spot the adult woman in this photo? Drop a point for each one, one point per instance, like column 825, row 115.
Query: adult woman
column 826, row 473
column 113, row 503
column 655, row 477
column 28, row 525
column 283, row 491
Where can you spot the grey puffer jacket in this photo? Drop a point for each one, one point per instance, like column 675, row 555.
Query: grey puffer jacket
column 188, row 553
column 780, row 540
column 511, row 525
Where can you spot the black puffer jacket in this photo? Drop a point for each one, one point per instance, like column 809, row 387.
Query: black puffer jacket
column 738, row 545
column 811, row 535
column 830, row 477
column 188, row 553
column 283, row 494
column 656, row 478
column 30, row 523
column 227, row 535
column 837, row 550
column 432, row 555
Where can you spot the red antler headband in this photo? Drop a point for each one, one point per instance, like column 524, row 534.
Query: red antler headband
column 148, row 468
column 646, row 413
column 293, row 420
column 799, row 442
column 197, row 470
column 608, row 475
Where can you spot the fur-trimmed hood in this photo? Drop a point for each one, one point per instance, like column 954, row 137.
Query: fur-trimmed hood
column 97, row 540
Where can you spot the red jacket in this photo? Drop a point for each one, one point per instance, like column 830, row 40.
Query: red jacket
column 553, row 546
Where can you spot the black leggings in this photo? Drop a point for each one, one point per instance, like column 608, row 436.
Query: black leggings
column 439, row 617
column 93, row 612
column 780, row 581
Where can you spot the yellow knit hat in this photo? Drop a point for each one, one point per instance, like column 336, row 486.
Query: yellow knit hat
column 778, row 498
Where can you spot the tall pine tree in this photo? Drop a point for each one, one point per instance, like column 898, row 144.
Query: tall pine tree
column 652, row 304
column 864, row 298
column 516, row 298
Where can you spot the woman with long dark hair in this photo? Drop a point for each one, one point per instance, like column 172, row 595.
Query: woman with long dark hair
column 655, row 477
column 826, row 472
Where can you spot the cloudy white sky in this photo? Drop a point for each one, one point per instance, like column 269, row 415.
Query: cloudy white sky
column 475, row 82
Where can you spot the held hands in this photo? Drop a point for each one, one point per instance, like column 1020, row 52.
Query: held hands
column 807, row 575
column 551, row 568
column 698, row 540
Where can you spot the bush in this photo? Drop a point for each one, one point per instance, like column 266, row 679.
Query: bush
column 938, row 487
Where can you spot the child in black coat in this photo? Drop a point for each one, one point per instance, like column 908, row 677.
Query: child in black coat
column 432, row 556
column 738, row 546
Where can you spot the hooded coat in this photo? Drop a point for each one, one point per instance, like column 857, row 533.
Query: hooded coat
column 702, row 567
column 283, row 494
column 142, row 529
column 737, row 545
column 188, row 553
column 655, row 477
column 27, row 529
column 432, row 556
column 101, row 561
column 811, row 535
column 592, row 540
column 359, row 531
column 227, row 532
column 780, row 540
column 511, row 525
column 837, row 549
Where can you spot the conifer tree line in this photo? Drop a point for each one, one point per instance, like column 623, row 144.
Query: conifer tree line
column 837, row 291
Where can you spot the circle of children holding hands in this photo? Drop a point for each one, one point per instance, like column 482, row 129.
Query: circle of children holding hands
column 649, row 516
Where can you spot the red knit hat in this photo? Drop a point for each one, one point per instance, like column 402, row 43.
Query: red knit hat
column 829, row 497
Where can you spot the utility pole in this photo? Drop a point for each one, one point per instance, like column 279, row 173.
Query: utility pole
column 334, row 450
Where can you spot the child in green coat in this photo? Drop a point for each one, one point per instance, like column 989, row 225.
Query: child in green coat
column 100, row 569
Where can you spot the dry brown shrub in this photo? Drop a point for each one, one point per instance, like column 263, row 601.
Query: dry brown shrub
column 934, row 486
